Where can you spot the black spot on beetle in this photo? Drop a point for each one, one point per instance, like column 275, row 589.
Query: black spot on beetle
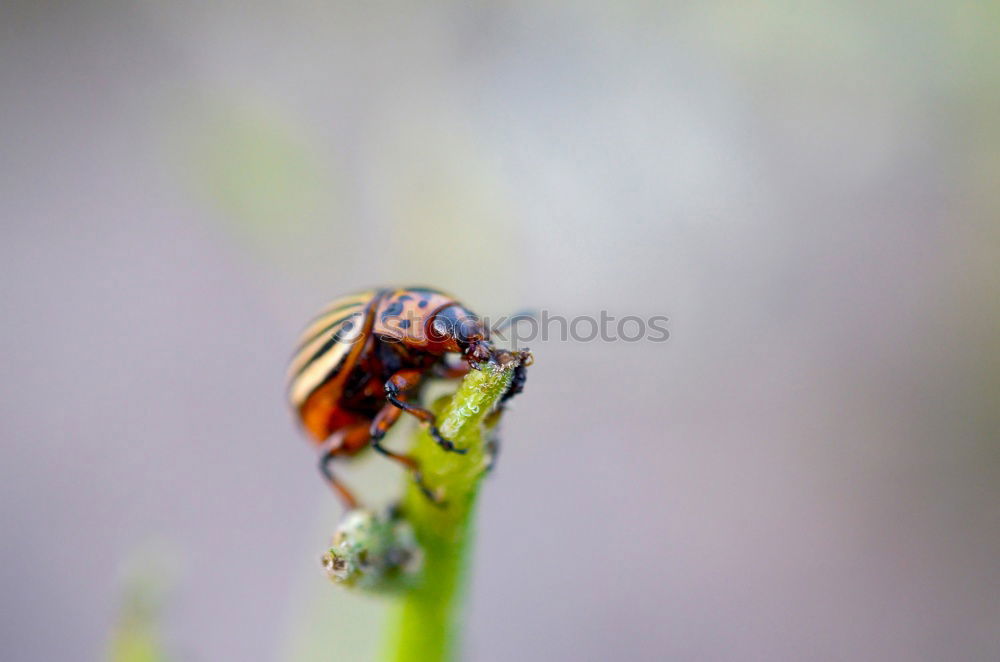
column 393, row 310
column 404, row 324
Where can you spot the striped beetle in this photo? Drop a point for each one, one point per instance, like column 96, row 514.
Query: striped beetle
column 357, row 361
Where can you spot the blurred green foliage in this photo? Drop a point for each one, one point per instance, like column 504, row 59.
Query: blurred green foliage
column 262, row 170
column 136, row 636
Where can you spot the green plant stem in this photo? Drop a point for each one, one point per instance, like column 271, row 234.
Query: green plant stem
column 426, row 628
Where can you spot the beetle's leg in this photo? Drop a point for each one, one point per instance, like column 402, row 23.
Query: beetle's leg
column 492, row 452
column 406, row 380
column 331, row 449
column 516, row 386
column 383, row 421
column 518, row 380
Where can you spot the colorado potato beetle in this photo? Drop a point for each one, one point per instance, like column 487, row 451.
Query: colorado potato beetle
column 363, row 358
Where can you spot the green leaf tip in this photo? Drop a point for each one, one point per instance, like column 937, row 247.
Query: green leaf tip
column 426, row 627
column 417, row 550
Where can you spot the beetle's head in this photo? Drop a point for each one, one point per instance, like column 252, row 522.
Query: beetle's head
column 457, row 329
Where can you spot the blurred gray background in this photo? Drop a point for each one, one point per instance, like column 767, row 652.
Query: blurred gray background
column 807, row 469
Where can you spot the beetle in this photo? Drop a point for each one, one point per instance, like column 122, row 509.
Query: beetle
column 361, row 359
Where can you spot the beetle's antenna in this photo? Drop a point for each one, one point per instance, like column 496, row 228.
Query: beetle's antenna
column 508, row 321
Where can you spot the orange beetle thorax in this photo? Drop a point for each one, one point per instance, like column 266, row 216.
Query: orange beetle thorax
column 405, row 316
